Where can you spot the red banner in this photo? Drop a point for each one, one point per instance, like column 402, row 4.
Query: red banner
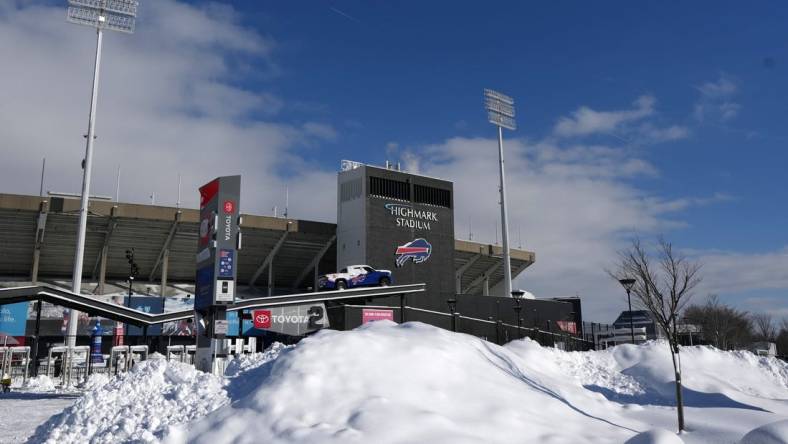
column 374, row 314
column 567, row 326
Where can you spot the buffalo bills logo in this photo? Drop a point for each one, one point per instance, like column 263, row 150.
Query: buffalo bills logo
column 418, row 249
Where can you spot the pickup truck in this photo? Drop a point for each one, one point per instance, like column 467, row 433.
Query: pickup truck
column 354, row 276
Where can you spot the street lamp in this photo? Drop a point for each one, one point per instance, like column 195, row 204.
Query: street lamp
column 518, row 296
column 453, row 309
column 628, row 283
column 133, row 272
column 114, row 15
column 500, row 112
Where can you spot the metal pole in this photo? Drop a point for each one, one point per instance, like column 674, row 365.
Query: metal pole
column 76, row 284
column 117, row 186
column 38, row 338
column 128, row 305
column 631, row 323
column 507, row 266
column 43, row 168
column 178, row 203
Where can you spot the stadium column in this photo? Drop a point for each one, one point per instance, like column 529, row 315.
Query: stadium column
column 271, row 278
column 40, row 228
column 165, row 265
column 103, row 257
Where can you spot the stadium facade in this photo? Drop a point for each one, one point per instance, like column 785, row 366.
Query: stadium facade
column 385, row 218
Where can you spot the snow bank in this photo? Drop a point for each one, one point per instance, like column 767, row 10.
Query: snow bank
column 774, row 433
column 389, row 383
column 136, row 406
column 655, row 436
column 141, row 405
column 386, row 383
column 39, row 384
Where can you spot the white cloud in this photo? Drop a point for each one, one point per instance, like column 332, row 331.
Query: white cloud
column 728, row 272
column 170, row 102
column 635, row 125
column 716, row 100
column 585, row 121
column 574, row 205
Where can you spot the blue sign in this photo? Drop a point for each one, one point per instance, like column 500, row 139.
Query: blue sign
column 13, row 318
column 95, row 344
column 232, row 325
column 147, row 304
column 226, row 263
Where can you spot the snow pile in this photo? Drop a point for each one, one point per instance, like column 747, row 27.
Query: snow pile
column 245, row 363
column 410, row 383
column 39, row 384
column 136, row 406
column 655, row 436
column 774, row 433
column 389, row 383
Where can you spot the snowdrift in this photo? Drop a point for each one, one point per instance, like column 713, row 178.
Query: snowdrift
column 389, row 383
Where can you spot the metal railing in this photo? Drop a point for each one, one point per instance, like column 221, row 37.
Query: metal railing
column 495, row 330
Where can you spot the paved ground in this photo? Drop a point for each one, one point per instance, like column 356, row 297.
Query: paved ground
column 21, row 413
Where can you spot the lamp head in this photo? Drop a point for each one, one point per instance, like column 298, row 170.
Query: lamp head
column 627, row 283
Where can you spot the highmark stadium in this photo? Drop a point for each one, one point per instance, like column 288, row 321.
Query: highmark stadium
column 384, row 215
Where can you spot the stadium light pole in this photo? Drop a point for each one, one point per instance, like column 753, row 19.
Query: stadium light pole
column 114, row 15
column 628, row 283
column 500, row 112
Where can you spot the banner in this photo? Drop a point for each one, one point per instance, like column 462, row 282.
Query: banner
column 376, row 314
column 12, row 320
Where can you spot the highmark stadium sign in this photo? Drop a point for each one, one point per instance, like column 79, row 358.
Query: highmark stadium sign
column 409, row 217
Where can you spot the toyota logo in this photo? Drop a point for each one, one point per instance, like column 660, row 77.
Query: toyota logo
column 261, row 319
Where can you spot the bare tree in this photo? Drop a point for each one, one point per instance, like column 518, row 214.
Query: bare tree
column 764, row 327
column 721, row 325
column 664, row 285
column 782, row 339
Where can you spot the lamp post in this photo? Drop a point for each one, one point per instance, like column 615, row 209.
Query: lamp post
column 452, row 309
column 628, row 283
column 500, row 112
column 133, row 271
column 115, row 15
column 518, row 296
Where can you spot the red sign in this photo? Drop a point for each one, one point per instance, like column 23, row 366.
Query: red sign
column 567, row 326
column 374, row 314
column 261, row 318
column 229, row 206
column 208, row 191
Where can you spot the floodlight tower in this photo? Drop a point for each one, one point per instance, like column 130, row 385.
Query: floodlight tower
column 114, row 15
column 500, row 112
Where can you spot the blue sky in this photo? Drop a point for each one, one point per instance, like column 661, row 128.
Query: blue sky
column 413, row 72
column 640, row 118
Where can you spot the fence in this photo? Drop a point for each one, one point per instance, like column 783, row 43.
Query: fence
column 495, row 330
column 70, row 366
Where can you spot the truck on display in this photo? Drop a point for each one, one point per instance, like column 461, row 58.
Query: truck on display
column 354, row 276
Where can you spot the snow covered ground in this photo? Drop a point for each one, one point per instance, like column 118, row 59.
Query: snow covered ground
column 389, row 383
column 22, row 412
